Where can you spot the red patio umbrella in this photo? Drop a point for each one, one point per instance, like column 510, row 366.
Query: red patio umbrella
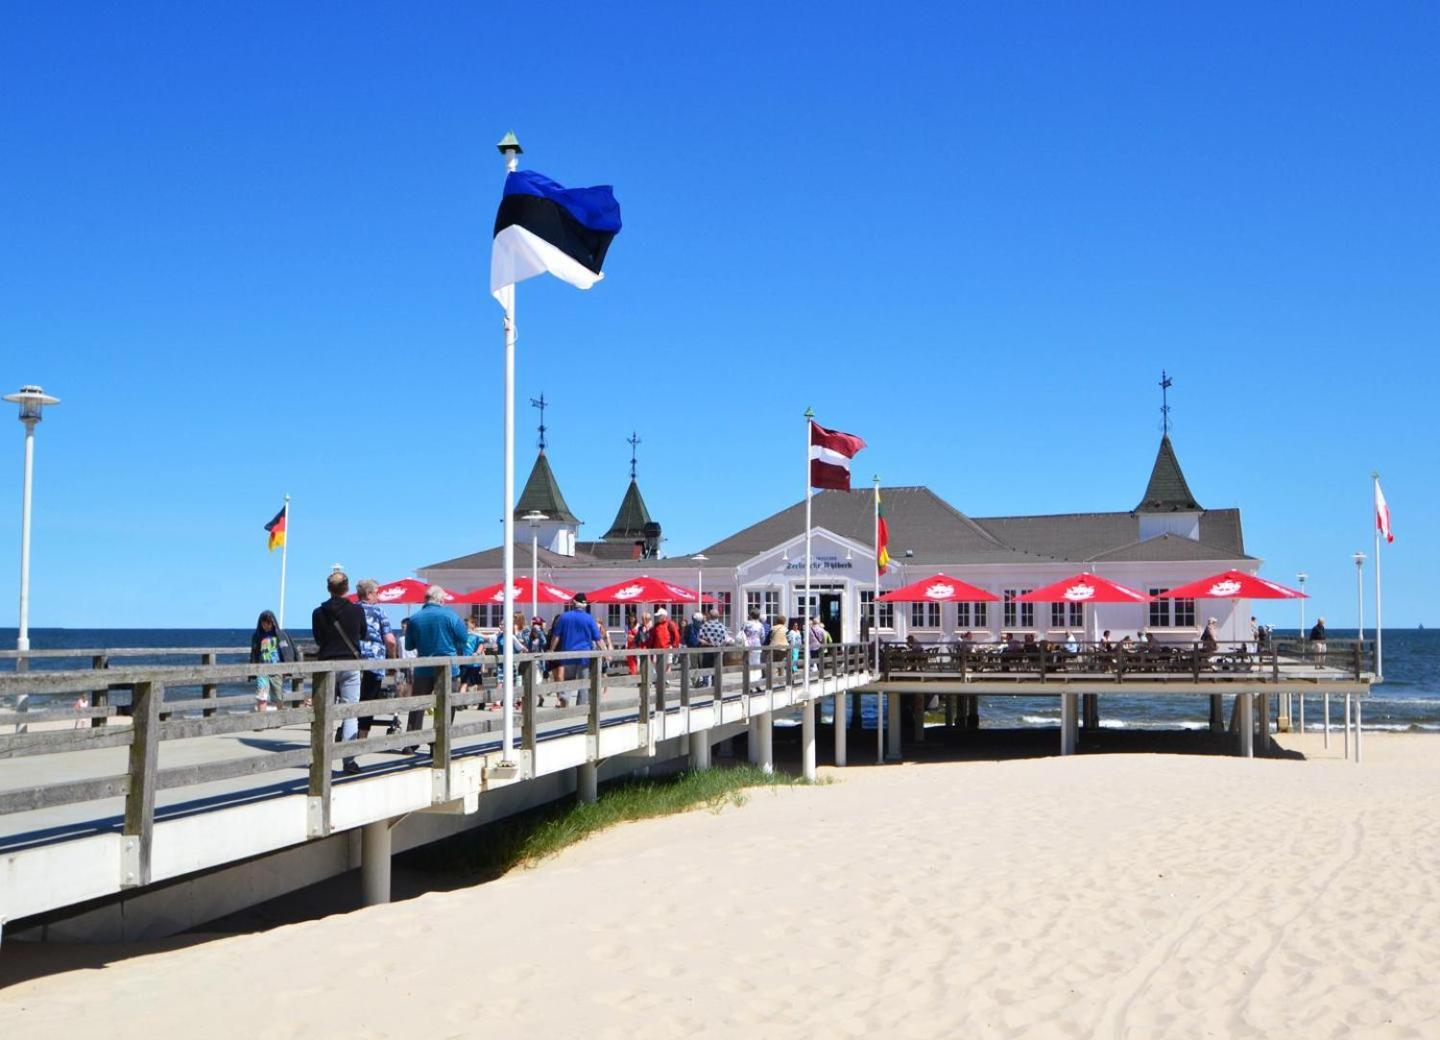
column 1233, row 585
column 523, row 592
column 1084, row 588
column 645, row 589
column 406, row 590
column 939, row 588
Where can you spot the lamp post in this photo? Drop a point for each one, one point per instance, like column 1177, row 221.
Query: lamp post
column 1302, row 578
column 701, row 559
column 1359, row 559
column 32, row 401
column 534, row 518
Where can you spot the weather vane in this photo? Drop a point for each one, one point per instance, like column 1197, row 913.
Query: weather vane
column 1165, row 384
column 540, row 402
column 633, row 440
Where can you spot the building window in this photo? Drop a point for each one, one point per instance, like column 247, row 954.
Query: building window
column 614, row 616
column 722, row 604
column 924, row 615
column 1024, row 617
column 886, row 618
column 1159, row 610
column 972, row 615
column 1067, row 615
column 767, row 602
column 1184, row 613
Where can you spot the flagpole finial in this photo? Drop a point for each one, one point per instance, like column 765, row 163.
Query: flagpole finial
column 1374, row 474
column 809, row 413
column 509, row 147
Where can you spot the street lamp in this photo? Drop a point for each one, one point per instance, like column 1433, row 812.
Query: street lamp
column 1359, row 559
column 1302, row 578
column 534, row 518
column 701, row 559
column 32, row 401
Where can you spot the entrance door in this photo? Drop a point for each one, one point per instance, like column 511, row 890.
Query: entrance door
column 830, row 614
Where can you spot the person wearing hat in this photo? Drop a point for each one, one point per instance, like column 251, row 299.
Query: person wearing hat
column 664, row 634
column 575, row 630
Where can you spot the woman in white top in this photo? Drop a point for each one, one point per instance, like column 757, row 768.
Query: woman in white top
column 753, row 633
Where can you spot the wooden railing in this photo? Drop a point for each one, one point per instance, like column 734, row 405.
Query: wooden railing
column 1263, row 662
column 696, row 676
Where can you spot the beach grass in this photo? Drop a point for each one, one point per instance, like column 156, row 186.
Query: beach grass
column 530, row 838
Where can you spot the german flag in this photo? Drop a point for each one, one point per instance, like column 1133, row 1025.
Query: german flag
column 276, row 528
column 882, row 536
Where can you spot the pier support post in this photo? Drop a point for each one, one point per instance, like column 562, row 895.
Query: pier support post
column 807, row 740
column 1347, row 725
column 1217, row 713
column 766, row 729
column 892, row 723
column 1245, row 715
column 1282, row 713
column 1358, row 740
column 752, row 741
column 1068, row 707
column 949, row 710
column 1301, row 698
column 842, row 716
column 1263, row 729
column 375, row 863
column 587, row 782
column 700, row 750
column 1091, row 706
column 972, row 713
column 1325, row 710
column 918, row 707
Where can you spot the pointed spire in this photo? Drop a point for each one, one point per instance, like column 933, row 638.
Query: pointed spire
column 542, row 493
column 631, row 520
column 1167, row 491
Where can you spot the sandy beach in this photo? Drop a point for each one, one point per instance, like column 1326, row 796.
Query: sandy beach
column 1103, row 895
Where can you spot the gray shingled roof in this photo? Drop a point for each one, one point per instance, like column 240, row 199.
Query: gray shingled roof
column 1089, row 536
column 1169, row 547
column 542, row 492
column 1167, row 491
column 918, row 519
column 630, row 521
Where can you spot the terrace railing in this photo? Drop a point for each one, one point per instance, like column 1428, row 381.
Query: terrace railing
column 1268, row 661
column 159, row 711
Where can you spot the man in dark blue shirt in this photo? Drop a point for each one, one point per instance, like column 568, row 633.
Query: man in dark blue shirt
column 434, row 631
column 575, row 630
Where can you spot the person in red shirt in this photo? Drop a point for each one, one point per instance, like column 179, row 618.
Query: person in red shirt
column 663, row 634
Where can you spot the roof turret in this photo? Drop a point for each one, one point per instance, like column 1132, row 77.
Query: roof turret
column 542, row 493
column 1167, row 491
column 631, row 520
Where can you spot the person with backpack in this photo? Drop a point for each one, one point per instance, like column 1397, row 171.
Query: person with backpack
column 339, row 628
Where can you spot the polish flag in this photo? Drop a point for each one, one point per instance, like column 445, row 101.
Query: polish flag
column 1382, row 514
column 830, row 455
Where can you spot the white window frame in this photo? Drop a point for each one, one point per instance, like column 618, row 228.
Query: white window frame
column 884, row 620
column 925, row 615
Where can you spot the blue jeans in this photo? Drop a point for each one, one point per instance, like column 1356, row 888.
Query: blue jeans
column 347, row 691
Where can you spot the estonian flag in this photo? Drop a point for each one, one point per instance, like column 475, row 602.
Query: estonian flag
column 543, row 227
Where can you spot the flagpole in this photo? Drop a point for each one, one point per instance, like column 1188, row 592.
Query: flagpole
column 807, row 736
column 1379, row 626
column 284, row 555
column 875, row 634
column 507, row 682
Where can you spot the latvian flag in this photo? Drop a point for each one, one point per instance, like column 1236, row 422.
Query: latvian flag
column 276, row 527
column 1382, row 514
column 543, row 227
column 830, row 455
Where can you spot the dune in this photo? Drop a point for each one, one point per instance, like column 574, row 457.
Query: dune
column 1098, row 896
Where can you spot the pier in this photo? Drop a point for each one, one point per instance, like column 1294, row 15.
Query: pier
column 141, row 819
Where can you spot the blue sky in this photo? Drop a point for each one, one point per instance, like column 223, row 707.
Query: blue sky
column 248, row 247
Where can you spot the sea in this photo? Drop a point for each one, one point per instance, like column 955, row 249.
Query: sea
column 1407, row 701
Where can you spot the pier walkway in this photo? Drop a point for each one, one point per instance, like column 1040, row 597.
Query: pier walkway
column 178, row 799
column 169, row 787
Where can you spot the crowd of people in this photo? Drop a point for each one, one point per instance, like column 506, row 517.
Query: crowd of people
column 358, row 629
